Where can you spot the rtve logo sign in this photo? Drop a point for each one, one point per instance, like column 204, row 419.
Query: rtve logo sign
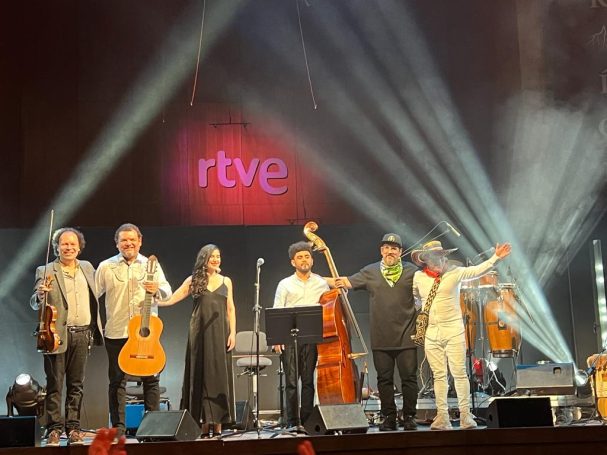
column 271, row 169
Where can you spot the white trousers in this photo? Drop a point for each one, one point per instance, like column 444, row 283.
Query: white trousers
column 448, row 353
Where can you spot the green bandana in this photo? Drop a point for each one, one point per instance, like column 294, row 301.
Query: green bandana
column 392, row 273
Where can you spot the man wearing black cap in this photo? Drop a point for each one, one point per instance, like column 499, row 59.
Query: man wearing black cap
column 392, row 320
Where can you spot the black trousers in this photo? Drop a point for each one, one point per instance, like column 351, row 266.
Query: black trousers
column 406, row 362
column 117, row 387
column 70, row 367
column 307, row 363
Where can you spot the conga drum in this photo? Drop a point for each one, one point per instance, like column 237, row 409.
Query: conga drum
column 599, row 382
column 489, row 280
column 469, row 305
column 501, row 322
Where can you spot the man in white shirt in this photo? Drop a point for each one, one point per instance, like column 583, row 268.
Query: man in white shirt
column 445, row 342
column 303, row 288
column 122, row 278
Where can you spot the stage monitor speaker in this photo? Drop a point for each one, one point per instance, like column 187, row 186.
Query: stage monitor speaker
column 327, row 419
column 244, row 416
column 22, row 431
column 546, row 379
column 168, row 426
column 519, row 412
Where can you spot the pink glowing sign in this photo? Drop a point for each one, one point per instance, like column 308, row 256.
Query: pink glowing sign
column 272, row 172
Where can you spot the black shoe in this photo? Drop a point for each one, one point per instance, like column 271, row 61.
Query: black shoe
column 389, row 424
column 120, row 431
column 409, row 423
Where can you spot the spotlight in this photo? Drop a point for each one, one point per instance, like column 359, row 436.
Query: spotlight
column 581, row 378
column 26, row 396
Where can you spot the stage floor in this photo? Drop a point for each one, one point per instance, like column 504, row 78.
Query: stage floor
column 540, row 440
column 572, row 435
column 575, row 438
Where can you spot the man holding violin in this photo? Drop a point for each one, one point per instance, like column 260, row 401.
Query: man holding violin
column 67, row 285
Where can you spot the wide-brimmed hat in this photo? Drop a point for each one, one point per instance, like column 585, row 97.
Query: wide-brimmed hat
column 434, row 247
column 392, row 238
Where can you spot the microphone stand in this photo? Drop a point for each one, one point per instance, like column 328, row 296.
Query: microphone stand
column 281, row 391
column 415, row 245
column 469, row 352
column 257, row 311
column 256, row 330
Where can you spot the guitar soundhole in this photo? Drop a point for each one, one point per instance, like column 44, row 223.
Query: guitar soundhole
column 144, row 332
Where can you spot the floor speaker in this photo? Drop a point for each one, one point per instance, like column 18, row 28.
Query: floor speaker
column 546, row 379
column 519, row 412
column 168, row 426
column 327, row 419
column 244, row 416
column 22, row 431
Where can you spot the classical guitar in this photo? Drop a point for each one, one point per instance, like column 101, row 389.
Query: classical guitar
column 142, row 355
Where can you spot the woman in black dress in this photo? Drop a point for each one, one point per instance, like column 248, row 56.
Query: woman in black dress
column 207, row 382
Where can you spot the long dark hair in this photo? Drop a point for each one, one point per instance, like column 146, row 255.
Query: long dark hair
column 200, row 279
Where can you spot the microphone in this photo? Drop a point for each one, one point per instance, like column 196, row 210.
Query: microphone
column 453, row 229
column 260, row 262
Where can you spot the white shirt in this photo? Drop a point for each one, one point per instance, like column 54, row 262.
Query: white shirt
column 293, row 291
column 122, row 284
column 445, row 318
column 77, row 296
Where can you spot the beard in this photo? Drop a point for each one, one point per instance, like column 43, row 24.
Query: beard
column 304, row 268
column 391, row 260
column 129, row 254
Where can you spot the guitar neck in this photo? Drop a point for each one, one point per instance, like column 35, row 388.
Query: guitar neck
column 146, row 311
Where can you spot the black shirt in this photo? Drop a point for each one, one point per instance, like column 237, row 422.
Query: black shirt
column 392, row 309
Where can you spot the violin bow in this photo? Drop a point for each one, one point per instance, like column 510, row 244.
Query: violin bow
column 48, row 245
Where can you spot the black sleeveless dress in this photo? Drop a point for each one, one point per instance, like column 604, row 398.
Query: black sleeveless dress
column 208, row 387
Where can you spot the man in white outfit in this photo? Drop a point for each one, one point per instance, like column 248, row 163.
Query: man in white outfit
column 445, row 342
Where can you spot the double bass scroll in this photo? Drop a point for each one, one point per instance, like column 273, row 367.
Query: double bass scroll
column 337, row 374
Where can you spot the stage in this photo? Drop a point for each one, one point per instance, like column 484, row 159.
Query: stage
column 588, row 438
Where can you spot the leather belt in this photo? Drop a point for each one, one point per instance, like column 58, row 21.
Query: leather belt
column 78, row 328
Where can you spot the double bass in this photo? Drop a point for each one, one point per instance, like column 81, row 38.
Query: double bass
column 337, row 379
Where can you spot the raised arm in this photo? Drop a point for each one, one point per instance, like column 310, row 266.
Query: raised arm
column 475, row 271
column 503, row 250
column 181, row 293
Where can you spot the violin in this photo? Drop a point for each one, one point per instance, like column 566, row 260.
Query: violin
column 47, row 339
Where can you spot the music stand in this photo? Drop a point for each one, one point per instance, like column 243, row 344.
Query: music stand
column 294, row 326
